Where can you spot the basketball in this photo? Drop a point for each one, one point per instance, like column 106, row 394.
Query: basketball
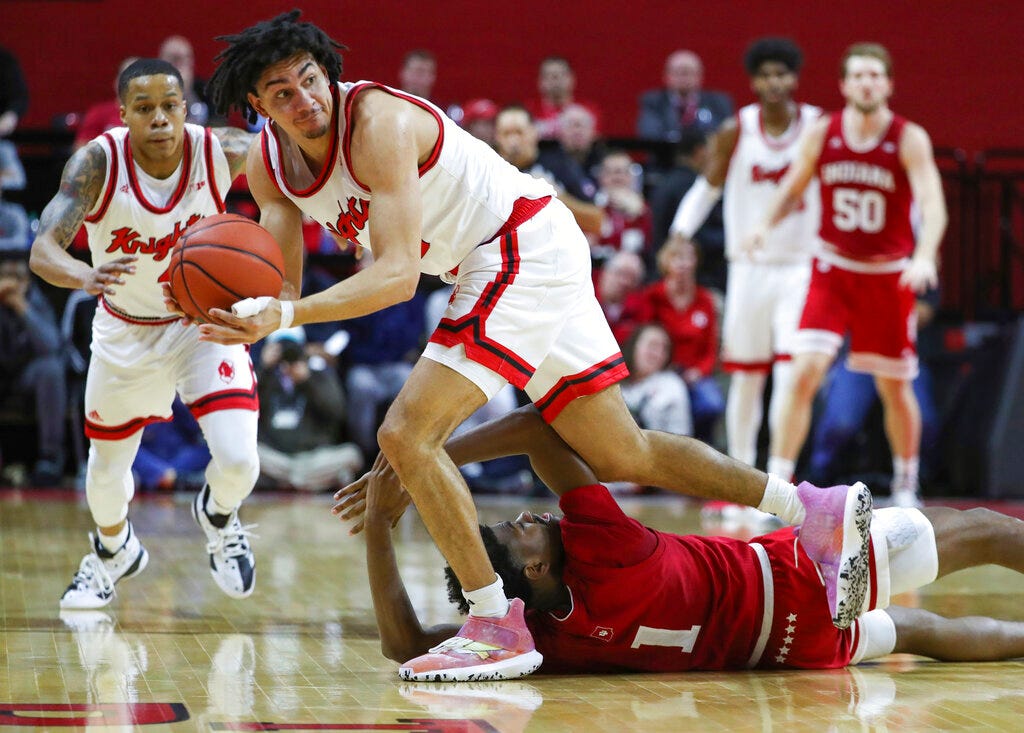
column 221, row 260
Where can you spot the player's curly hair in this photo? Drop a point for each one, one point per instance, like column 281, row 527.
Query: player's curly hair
column 511, row 574
column 782, row 50
column 261, row 45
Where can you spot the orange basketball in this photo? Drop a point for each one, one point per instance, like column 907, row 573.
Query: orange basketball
column 221, row 260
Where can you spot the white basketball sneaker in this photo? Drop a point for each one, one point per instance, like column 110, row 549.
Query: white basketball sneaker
column 232, row 562
column 93, row 584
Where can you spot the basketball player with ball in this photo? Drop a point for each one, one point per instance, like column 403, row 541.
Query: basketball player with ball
column 390, row 172
column 137, row 189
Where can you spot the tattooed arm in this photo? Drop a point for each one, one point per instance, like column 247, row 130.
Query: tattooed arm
column 80, row 187
column 235, row 143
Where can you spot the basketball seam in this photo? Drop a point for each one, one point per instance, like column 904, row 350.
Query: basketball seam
column 259, row 257
column 209, row 277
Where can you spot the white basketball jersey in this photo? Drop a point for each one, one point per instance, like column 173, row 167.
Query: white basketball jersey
column 140, row 215
column 758, row 163
column 469, row 192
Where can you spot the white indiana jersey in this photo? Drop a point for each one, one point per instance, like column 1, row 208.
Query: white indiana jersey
column 144, row 216
column 470, row 194
column 758, row 163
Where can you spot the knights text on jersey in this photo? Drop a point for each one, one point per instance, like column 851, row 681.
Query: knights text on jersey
column 865, row 196
column 645, row 600
column 758, row 163
column 132, row 217
column 469, row 192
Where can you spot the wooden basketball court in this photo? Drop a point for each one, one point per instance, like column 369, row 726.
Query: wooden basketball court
column 172, row 653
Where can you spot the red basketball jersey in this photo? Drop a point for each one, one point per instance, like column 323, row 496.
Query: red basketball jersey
column 644, row 600
column 647, row 600
column 865, row 196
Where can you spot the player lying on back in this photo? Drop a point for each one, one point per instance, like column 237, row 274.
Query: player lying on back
column 603, row 593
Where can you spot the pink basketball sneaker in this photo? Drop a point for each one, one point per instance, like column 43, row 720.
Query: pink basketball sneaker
column 835, row 534
column 484, row 649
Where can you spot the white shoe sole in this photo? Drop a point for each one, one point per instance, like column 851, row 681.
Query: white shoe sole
column 509, row 669
column 854, row 561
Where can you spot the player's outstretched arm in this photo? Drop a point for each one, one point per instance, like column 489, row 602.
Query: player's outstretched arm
column 705, row 192
column 792, row 185
column 81, row 185
column 402, row 635
column 520, row 432
column 279, row 216
column 926, row 183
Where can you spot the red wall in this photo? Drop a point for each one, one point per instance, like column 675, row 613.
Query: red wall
column 958, row 63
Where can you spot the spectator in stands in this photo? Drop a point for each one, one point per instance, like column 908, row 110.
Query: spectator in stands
column 384, row 346
column 556, row 87
column 618, row 291
column 478, row 117
column 418, row 73
column 690, row 159
column 14, row 224
column 13, row 92
column 654, row 392
column 517, row 142
column 32, row 361
column 177, row 50
column 627, row 217
column 578, row 137
column 173, row 454
column 302, row 414
column 681, row 104
column 689, row 314
column 105, row 115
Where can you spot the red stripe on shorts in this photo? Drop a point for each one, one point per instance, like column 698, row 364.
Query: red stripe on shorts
column 122, row 431
column 470, row 329
column 590, row 381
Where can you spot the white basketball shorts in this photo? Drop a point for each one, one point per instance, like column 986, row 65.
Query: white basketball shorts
column 524, row 312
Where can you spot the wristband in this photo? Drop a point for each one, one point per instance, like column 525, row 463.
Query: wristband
column 287, row 314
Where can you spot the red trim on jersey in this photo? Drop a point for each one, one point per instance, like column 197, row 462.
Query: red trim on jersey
column 179, row 192
column 469, row 330
column 332, row 155
column 227, row 399
column 122, row 431
column 136, row 320
column 265, row 147
column 108, row 193
column 746, row 366
column 210, row 171
column 523, row 209
column 787, row 137
column 346, row 146
column 590, row 381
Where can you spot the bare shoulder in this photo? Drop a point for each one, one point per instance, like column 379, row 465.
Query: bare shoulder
column 389, row 132
column 915, row 145
column 85, row 173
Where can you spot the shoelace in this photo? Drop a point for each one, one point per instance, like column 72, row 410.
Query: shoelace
column 93, row 573
column 232, row 540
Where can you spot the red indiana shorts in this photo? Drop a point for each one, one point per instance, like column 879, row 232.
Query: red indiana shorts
column 867, row 301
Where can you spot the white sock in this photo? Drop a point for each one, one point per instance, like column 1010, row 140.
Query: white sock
column 905, row 473
column 213, row 507
column 782, row 467
column 113, row 542
column 781, row 500
column 489, row 601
